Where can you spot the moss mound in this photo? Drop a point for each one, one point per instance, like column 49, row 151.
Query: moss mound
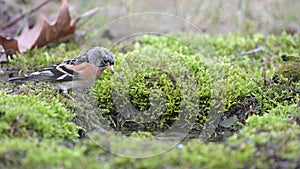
column 30, row 116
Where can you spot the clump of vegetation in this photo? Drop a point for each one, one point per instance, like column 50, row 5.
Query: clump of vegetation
column 143, row 93
column 38, row 113
column 290, row 68
column 236, row 76
column 31, row 153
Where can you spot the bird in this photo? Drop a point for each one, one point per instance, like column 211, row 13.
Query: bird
column 78, row 72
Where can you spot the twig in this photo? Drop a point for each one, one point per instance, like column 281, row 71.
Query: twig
column 86, row 14
column 258, row 49
column 33, row 9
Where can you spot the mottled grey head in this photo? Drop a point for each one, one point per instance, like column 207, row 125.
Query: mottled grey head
column 101, row 57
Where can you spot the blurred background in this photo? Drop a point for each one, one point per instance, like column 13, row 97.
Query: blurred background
column 120, row 18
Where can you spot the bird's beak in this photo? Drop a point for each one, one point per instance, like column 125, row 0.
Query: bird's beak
column 111, row 68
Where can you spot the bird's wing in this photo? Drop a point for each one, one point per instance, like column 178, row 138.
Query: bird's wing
column 56, row 73
column 75, row 61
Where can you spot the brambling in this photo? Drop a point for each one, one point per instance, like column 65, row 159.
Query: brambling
column 80, row 71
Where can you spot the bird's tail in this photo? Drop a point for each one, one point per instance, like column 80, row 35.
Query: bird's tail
column 19, row 79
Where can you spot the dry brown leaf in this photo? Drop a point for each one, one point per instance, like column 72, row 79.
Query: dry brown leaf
column 9, row 44
column 45, row 31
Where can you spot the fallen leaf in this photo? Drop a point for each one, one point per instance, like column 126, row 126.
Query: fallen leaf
column 45, row 31
column 9, row 43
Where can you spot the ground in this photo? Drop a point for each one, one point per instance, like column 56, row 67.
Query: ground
column 176, row 100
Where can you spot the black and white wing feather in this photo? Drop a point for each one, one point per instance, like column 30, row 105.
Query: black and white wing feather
column 55, row 73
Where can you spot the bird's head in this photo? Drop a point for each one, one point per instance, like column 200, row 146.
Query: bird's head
column 100, row 57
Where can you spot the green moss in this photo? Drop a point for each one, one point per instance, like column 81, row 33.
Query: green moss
column 238, row 83
column 284, row 44
column 143, row 85
column 264, row 142
column 141, row 134
column 273, row 137
column 30, row 115
column 290, row 70
column 30, row 153
column 268, row 139
column 286, row 58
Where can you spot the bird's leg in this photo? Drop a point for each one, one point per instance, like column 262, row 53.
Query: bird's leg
column 65, row 92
